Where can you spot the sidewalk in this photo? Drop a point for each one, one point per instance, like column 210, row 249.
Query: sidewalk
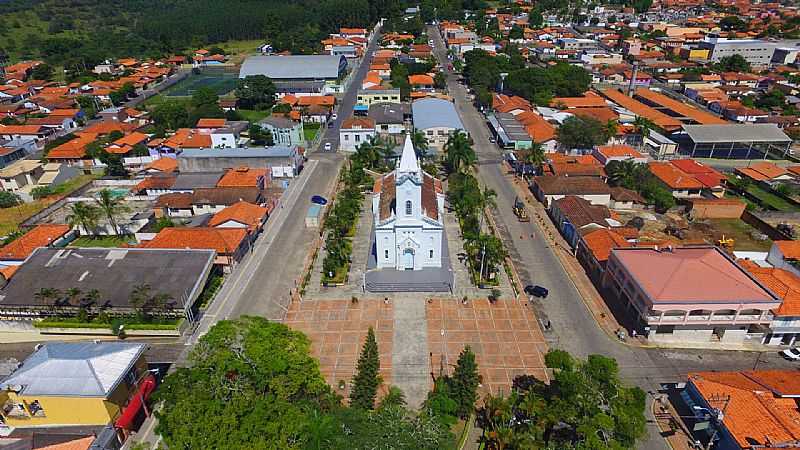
column 591, row 298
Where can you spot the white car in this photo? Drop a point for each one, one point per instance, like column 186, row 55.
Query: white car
column 328, row 146
column 430, row 42
column 334, row 117
column 792, row 354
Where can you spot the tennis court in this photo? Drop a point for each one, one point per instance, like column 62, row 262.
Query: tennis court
column 221, row 79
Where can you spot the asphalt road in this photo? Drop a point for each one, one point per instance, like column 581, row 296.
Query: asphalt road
column 574, row 329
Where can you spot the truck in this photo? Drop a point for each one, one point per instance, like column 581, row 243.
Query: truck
column 520, row 211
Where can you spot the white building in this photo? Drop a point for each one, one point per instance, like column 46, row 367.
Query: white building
column 408, row 208
column 437, row 119
column 354, row 132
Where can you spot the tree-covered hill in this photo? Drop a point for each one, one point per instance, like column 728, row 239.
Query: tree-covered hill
column 70, row 32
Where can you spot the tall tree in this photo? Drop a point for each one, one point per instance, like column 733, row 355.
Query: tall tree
column 111, row 206
column 459, row 154
column 465, row 381
column 581, row 133
column 420, row 143
column 367, row 377
column 255, row 92
column 83, row 216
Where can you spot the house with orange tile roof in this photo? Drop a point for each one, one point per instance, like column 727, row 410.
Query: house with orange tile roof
column 619, row 152
column 680, row 183
column 713, row 181
column 231, row 244
column 240, row 215
column 355, row 131
column 245, row 176
column 786, row 285
column 594, row 247
column 754, row 409
column 165, row 164
column 588, row 100
column 785, row 255
column 45, row 235
column 765, row 171
column 691, row 294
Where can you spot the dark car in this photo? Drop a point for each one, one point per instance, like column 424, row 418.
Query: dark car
column 536, row 291
column 320, row 200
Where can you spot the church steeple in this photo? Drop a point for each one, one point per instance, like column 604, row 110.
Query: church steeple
column 408, row 161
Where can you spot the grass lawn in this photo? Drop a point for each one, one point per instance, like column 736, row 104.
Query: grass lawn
column 252, row 115
column 101, row 241
column 770, row 199
column 310, row 131
column 10, row 218
column 740, row 232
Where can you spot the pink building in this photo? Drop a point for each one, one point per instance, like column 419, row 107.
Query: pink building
column 689, row 293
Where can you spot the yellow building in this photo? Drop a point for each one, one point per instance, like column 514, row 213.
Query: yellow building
column 694, row 53
column 64, row 384
column 367, row 97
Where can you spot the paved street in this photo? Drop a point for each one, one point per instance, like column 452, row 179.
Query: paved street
column 574, row 328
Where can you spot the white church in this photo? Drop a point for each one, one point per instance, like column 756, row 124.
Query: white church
column 408, row 211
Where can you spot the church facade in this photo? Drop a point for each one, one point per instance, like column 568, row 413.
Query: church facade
column 408, row 208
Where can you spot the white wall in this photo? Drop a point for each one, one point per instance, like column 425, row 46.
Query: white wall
column 351, row 138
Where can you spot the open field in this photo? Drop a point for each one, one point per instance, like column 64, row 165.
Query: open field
column 222, row 80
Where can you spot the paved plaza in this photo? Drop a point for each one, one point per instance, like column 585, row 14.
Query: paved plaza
column 504, row 336
column 337, row 330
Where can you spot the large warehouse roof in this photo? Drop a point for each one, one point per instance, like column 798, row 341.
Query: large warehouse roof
column 435, row 113
column 289, row 67
column 717, row 134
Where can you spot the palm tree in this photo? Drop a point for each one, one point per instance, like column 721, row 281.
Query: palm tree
column 534, row 156
column 72, row 295
column 643, row 125
column 459, row 155
column 83, row 216
column 610, row 129
column 487, row 198
column 420, row 143
column 627, row 173
column 111, row 206
column 48, row 296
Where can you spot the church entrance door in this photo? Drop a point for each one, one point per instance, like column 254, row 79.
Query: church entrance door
column 408, row 259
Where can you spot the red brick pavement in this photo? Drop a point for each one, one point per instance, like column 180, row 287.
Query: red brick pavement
column 338, row 328
column 505, row 337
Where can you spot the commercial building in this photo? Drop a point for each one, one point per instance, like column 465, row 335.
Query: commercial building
column 283, row 161
column 368, row 97
column 754, row 51
column 437, row 119
column 688, row 293
column 735, row 141
column 178, row 274
column 77, row 384
column 297, row 74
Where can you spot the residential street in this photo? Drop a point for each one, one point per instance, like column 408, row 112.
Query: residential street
column 574, row 329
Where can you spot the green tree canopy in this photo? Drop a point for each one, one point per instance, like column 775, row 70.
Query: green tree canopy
column 367, row 378
column 255, row 92
column 733, row 63
column 582, row 132
column 585, row 406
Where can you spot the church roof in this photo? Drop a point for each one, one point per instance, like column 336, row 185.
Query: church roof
column 387, row 187
column 408, row 161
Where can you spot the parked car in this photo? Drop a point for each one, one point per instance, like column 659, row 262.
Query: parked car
column 328, row 147
column 792, row 354
column 492, row 140
column 334, row 117
column 536, row 291
column 318, row 199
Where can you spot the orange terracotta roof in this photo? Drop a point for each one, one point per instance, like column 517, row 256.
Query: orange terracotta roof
column 673, row 177
column 65, row 112
column 603, row 114
column 784, row 284
column 40, row 236
column 188, row 138
column 358, row 122
column 164, row 164
column 640, row 109
column 224, row 240
column 503, row 103
column 211, row 123
column 537, row 127
column 74, row 149
column 755, row 413
column 751, row 173
column 132, row 139
column 616, row 151
column 789, row 249
column 601, row 241
column 420, row 80
column 769, row 169
column 588, row 100
column 699, row 116
column 20, row 129
column 308, row 100
column 76, row 444
column 243, row 212
column 243, row 177
column 107, row 126
column 9, row 271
